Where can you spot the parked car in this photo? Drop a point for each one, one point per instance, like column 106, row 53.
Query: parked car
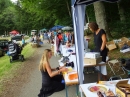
column 17, row 38
column 33, row 32
column 4, row 44
column 2, row 53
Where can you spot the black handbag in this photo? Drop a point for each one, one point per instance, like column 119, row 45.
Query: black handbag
column 70, row 64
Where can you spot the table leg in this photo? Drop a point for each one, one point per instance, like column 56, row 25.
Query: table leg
column 77, row 90
column 81, row 94
column 66, row 90
column 99, row 74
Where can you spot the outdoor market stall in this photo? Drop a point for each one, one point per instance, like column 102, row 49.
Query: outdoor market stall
column 73, row 70
column 78, row 9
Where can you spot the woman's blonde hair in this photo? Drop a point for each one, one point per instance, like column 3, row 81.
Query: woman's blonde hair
column 44, row 60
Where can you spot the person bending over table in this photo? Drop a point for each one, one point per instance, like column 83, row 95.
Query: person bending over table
column 68, row 44
column 99, row 40
column 51, row 78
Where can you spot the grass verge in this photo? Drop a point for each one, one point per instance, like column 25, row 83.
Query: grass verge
column 7, row 69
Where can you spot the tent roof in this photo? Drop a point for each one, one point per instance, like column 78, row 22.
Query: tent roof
column 14, row 32
column 91, row 1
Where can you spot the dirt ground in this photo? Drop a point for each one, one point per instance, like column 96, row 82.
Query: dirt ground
column 14, row 85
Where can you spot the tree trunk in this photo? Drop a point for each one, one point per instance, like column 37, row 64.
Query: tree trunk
column 121, row 11
column 67, row 4
column 101, row 17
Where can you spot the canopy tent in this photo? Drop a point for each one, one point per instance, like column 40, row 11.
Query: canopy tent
column 78, row 14
column 57, row 27
column 67, row 28
column 14, row 32
column 42, row 30
column 87, row 2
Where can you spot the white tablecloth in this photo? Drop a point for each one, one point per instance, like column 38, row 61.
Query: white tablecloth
column 109, row 84
column 73, row 58
column 88, row 93
column 64, row 50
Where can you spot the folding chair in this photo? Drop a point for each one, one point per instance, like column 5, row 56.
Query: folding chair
column 128, row 71
column 116, row 63
column 115, row 78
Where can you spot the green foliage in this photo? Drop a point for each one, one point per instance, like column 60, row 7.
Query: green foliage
column 49, row 12
column 26, row 15
column 120, row 29
column 112, row 12
column 4, row 4
column 90, row 14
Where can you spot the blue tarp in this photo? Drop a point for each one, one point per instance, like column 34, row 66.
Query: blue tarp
column 57, row 27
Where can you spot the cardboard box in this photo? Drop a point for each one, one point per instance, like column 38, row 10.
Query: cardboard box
column 124, row 39
column 111, row 45
column 92, row 61
column 128, row 42
column 121, row 88
column 121, row 44
column 93, row 55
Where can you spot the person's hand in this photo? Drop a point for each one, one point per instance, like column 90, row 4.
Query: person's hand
column 64, row 69
column 61, row 67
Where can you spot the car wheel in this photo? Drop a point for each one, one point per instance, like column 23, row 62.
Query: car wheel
column 11, row 60
column 22, row 58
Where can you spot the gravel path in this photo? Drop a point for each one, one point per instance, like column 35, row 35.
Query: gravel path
column 27, row 83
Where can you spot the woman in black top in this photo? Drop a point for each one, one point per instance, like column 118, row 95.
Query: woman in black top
column 99, row 40
column 51, row 78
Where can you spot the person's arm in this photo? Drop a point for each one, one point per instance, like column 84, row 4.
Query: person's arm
column 49, row 70
column 103, row 42
column 53, row 69
column 54, row 73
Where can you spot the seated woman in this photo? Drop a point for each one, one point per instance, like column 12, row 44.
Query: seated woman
column 51, row 78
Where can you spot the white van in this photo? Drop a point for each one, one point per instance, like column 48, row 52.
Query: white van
column 33, row 32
